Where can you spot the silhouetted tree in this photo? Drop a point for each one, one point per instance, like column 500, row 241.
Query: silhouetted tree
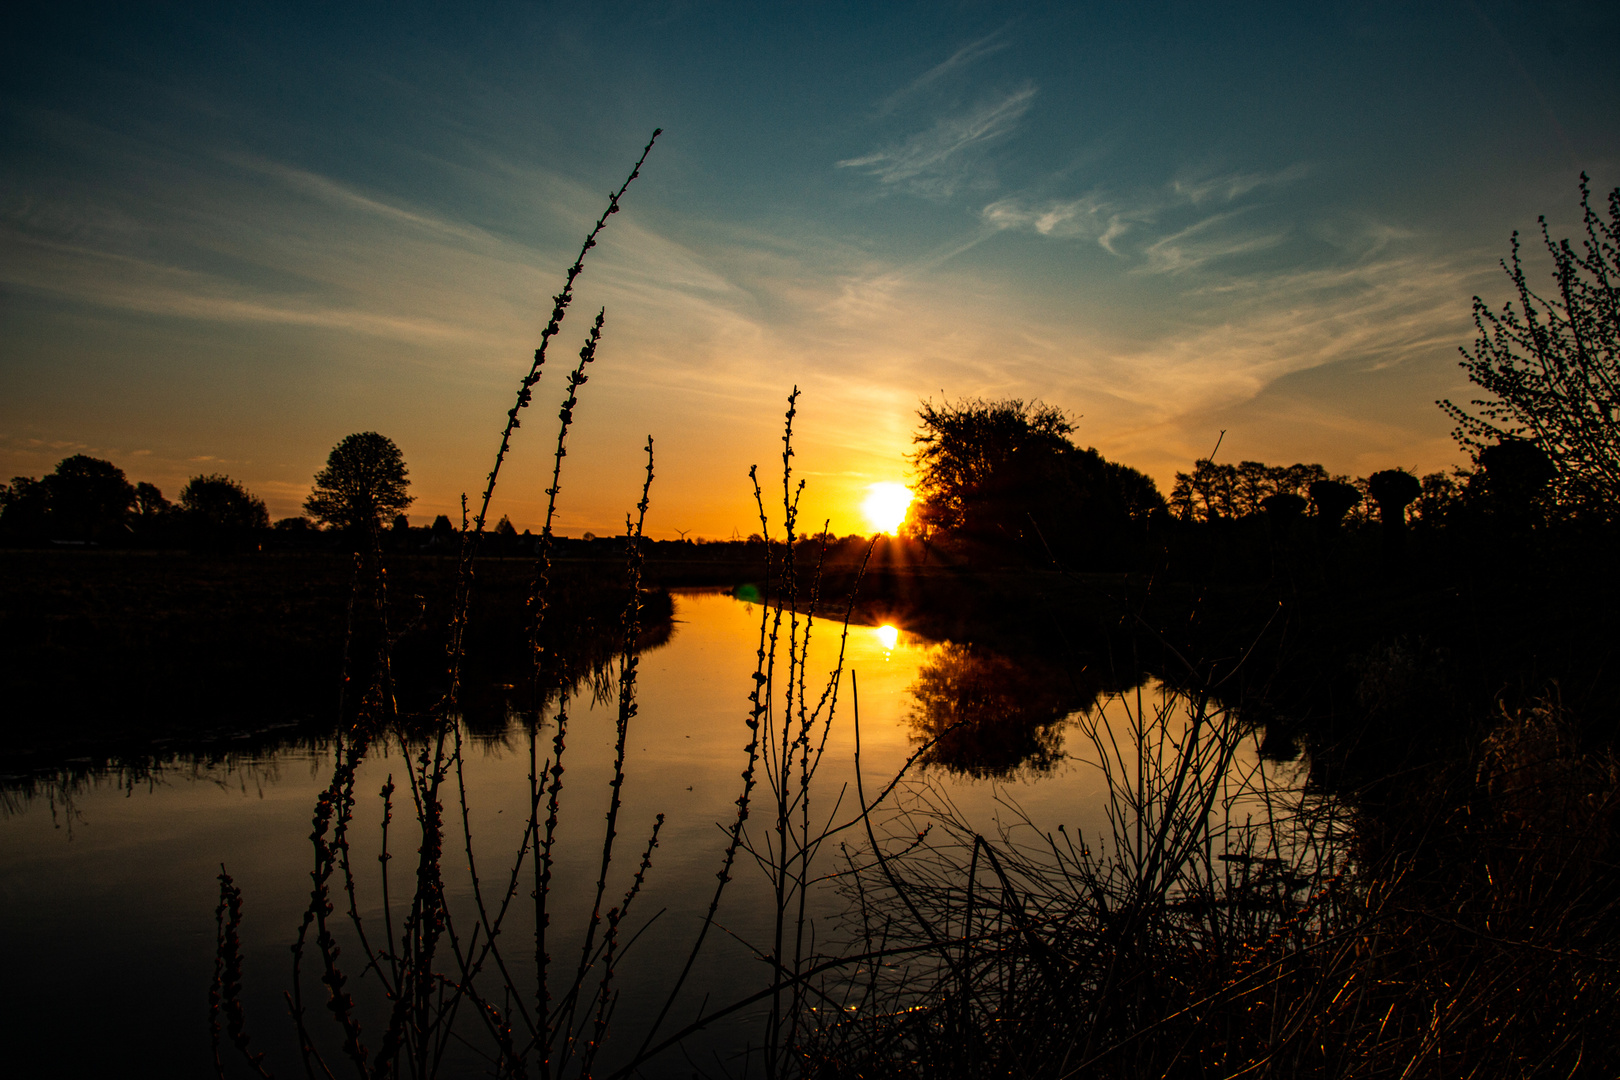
column 1393, row 490
column 1208, row 493
column 1333, row 499
column 968, row 452
column 25, row 509
column 89, row 498
column 1441, row 497
column 1213, row 491
column 364, row 481
column 1516, row 474
column 1282, row 510
column 149, row 502
column 1252, row 484
column 1297, row 478
column 1003, row 472
column 217, row 503
column 924, row 523
column 1254, row 481
column 989, row 715
column 1362, row 512
column 1552, row 366
column 154, row 519
column 1284, row 506
column 504, row 540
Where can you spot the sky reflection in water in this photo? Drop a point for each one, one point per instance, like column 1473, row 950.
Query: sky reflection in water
column 115, row 876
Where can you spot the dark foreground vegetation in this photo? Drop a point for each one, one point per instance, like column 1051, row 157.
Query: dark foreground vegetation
column 1440, row 899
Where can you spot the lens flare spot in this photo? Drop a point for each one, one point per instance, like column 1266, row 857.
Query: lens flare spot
column 886, row 505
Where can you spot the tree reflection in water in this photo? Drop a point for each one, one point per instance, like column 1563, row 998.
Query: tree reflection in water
column 990, row 716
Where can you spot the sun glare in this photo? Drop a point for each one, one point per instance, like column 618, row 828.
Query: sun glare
column 888, row 637
column 886, row 505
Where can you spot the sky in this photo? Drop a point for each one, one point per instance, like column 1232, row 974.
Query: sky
column 231, row 235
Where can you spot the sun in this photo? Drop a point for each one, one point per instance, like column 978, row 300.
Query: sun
column 886, row 505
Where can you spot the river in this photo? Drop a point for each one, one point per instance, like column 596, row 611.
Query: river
column 109, row 878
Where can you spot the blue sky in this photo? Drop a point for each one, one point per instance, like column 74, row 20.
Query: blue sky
column 230, row 237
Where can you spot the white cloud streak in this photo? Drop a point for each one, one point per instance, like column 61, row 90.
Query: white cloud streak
column 941, row 160
column 1201, row 243
column 1109, row 220
column 959, row 60
column 1232, row 186
column 1090, row 217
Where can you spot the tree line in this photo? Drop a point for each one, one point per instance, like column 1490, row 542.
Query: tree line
column 90, row 501
column 1002, row 479
column 1001, row 482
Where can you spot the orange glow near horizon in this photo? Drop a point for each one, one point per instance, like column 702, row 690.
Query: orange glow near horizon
column 885, row 506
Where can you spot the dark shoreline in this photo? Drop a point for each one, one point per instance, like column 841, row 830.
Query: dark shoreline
column 105, row 648
column 101, row 650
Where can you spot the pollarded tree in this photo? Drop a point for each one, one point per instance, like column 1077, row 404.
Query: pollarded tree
column 364, row 482
column 1552, row 366
column 1516, row 470
column 1333, row 499
column 1393, row 490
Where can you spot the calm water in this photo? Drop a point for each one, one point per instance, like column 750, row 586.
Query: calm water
column 108, row 882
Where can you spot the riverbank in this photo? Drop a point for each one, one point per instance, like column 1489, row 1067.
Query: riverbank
column 1366, row 669
column 102, row 649
column 1370, row 669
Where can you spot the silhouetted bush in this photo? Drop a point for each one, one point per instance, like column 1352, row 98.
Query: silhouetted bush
column 1552, row 366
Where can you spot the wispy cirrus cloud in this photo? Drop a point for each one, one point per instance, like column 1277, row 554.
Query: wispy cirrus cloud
column 1090, row 217
column 89, row 274
column 238, row 240
column 1169, row 244
column 1229, row 187
column 1375, row 314
column 1202, row 243
column 958, row 61
column 944, row 158
column 350, row 198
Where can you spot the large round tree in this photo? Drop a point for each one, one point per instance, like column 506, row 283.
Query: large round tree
column 1005, row 475
column 219, row 503
column 89, row 498
column 364, row 482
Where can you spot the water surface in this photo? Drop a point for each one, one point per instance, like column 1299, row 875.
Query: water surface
column 108, row 878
